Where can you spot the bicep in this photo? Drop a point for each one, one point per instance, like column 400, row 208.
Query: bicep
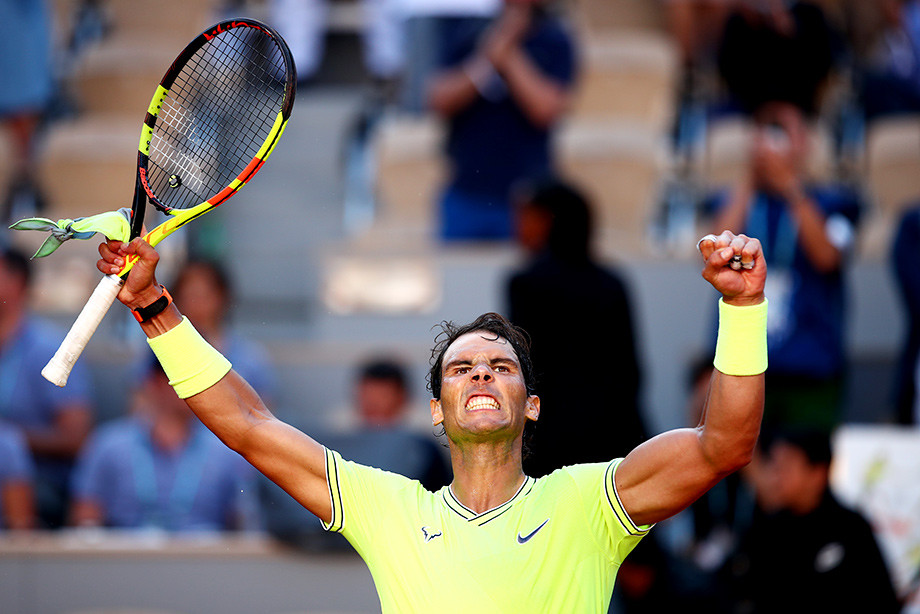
column 293, row 461
column 664, row 475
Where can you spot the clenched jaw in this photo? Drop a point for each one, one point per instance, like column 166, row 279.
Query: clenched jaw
column 481, row 402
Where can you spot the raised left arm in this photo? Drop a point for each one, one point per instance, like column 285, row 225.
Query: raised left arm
column 667, row 473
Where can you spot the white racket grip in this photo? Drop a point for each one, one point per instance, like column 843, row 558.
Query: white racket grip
column 58, row 368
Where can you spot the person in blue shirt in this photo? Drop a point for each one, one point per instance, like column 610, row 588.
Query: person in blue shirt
column 159, row 468
column 503, row 86
column 55, row 421
column 808, row 232
column 17, row 497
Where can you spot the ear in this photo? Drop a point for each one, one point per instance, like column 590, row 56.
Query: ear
column 532, row 409
column 437, row 416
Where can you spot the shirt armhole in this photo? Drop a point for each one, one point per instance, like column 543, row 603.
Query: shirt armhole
column 613, row 498
column 336, row 520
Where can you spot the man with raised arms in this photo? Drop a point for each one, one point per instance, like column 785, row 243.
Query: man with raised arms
column 494, row 540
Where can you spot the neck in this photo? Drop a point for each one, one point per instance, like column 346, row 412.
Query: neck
column 486, row 477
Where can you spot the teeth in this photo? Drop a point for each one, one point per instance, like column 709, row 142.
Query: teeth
column 481, row 403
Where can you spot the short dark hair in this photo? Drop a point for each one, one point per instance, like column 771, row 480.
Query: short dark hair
column 572, row 221
column 493, row 323
column 214, row 269
column 383, row 369
column 17, row 263
column 814, row 443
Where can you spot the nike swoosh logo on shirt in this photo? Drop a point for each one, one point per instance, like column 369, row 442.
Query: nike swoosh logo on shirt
column 526, row 538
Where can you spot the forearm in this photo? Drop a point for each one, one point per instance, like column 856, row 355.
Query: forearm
column 228, row 407
column 453, row 90
column 734, row 406
column 731, row 420
column 542, row 99
column 812, row 231
column 226, row 404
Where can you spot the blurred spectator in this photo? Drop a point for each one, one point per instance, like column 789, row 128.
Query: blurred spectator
column 773, row 50
column 808, row 232
column 806, row 552
column 905, row 256
column 205, row 291
column 425, row 24
column 55, row 421
column 891, row 80
column 161, row 468
column 380, row 434
column 578, row 316
column 697, row 26
column 302, row 23
column 17, row 495
column 504, row 85
column 26, row 70
column 385, row 437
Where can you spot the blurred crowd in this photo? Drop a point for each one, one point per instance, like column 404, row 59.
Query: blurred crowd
column 501, row 76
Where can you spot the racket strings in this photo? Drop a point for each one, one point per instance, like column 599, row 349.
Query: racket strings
column 217, row 115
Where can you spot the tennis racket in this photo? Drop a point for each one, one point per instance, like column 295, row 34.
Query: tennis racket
column 214, row 119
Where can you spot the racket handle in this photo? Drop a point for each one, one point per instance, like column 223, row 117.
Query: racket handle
column 58, row 368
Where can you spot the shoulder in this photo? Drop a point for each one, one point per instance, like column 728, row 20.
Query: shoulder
column 362, row 495
column 590, row 490
column 352, row 474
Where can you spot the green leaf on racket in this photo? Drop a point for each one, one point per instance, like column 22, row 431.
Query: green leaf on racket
column 112, row 224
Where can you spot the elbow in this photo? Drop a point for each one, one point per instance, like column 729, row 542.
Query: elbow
column 547, row 114
column 740, row 460
column 732, row 457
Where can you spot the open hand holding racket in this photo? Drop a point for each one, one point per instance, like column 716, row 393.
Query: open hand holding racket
column 214, row 119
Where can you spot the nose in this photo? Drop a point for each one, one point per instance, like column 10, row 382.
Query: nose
column 481, row 373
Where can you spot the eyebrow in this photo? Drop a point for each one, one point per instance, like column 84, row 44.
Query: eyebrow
column 499, row 360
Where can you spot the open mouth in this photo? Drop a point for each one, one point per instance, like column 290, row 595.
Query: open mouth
column 480, row 402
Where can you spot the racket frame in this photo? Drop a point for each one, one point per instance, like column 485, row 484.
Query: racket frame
column 59, row 367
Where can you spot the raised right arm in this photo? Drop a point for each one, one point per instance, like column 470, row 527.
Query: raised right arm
column 230, row 408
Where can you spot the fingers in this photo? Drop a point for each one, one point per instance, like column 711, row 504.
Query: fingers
column 735, row 266
column 116, row 253
column 729, row 249
column 112, row 259
column 751, row 253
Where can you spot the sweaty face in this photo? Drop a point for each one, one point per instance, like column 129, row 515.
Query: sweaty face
column 483, row 394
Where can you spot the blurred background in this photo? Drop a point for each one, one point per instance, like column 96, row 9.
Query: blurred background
column 337, row 256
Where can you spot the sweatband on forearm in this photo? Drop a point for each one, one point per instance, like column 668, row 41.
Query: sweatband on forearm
column 191, row 363
column 741, row 348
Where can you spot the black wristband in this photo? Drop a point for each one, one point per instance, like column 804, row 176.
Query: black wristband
column 142, row 314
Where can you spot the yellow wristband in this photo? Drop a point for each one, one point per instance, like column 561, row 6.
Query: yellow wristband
column 191, row 363
column 741, row 348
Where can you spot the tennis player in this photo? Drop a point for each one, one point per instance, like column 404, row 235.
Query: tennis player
column 494, row 540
